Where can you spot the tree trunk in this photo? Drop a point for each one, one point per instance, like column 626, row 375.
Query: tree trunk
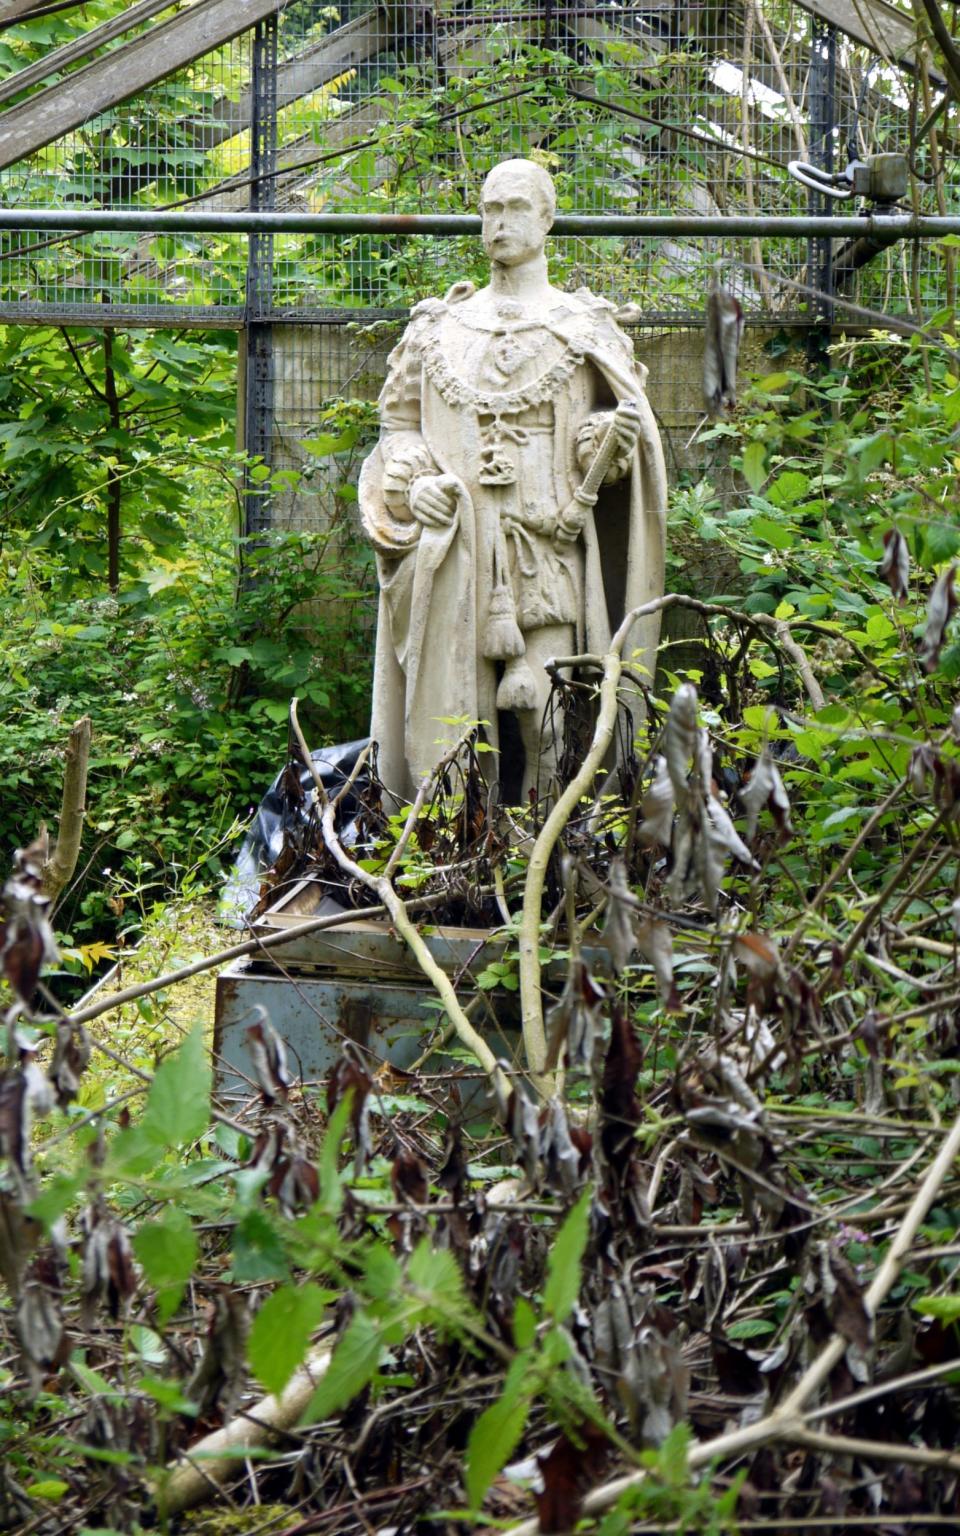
column 113, row 492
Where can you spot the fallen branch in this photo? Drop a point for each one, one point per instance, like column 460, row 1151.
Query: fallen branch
column 202, row 1471
column 235, row 952
column 59, row 868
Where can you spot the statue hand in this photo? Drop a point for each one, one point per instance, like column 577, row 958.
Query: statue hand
column 627, row 425
column 433, row 500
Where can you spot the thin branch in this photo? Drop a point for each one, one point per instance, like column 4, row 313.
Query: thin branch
column 785, row 1422
column 948, row 48
column 875, row 1450
column 210, row 962
column 395, row 906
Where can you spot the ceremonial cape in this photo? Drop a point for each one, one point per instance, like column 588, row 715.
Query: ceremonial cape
column 435, row 583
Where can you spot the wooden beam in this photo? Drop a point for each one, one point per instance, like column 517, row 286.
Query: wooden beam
column 341, row 50
column 11, row 9
column 886, row 32
column 80, row 47
column 350, row 45
column 120, row 74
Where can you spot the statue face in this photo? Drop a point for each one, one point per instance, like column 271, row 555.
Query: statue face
column 515, row 222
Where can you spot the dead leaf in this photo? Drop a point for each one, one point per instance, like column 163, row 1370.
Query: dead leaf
column 620, row 1111
column 219, row 1380
column 573, row 1020
column 655, row 943
column 940, row 607
column 679, row 739
column 894, row 568
column 269, row 1058
column 70, row 1059
column 657, row 807
column 765, row 790
column 569, row 1470
column 409, row 1178
column 560, row 1158
column 348, row 1076
column 618, row 934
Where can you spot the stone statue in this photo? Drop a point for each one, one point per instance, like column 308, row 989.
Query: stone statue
column 515, row 499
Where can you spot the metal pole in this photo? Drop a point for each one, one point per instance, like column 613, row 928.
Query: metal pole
column 67, row 221
column 257, row 327
column 821, row 90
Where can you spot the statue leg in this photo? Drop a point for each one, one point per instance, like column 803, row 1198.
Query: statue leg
column 540, row 733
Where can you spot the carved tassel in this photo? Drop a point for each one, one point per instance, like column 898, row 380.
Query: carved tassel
column 518, row 688
column 502, row 637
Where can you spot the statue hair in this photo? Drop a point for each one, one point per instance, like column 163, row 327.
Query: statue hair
column 541, row 178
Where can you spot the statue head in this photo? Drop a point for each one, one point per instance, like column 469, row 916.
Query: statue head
column 518, row 203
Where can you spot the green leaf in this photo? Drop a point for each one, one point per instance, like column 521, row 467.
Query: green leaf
column 258, row 1253
column 178, row 1108
column 524, row 1323
column 51, row 1488
column 750, row 1328
column 754, row 460
column 493, row 1438
column 328, row 1170
column 563, row 1264
column 58, row 1196
column 787, row 488
column 167, row 1395
column 945, row 1308
column 672, row 1458
column 281, row 1332
column 435, row 1273
column 168, row 1250
column 941, row 542
column 353, row 1365
column 772, row 533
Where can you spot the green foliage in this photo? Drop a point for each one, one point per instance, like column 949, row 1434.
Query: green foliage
column 168, row 1251
column 187, row 669
column 566, row 1255
column 282, row 1331
column 667, row 1496
column 178, row 1106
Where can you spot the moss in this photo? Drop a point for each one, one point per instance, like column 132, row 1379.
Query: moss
column 259, row 1518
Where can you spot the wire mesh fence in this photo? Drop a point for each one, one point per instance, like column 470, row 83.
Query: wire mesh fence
column 648, row 108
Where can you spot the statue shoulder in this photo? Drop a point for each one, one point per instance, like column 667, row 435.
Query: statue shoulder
column 598, row 320
column 460, row 292
column 427, row 309
column 593, row 303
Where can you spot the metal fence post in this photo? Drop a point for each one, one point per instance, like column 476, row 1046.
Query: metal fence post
column 258, row 305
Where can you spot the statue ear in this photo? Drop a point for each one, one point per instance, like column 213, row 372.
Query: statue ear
column 459, row 292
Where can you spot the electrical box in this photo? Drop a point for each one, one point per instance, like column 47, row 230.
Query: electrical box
column 882, row 178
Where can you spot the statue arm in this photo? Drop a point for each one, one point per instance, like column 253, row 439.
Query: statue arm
column 401, row 485
column 590, row 436
column 621, row 398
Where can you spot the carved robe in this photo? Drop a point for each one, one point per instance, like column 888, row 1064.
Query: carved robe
column 512, row 410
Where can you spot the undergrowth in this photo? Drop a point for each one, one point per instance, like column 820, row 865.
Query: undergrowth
column 717, row 1258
